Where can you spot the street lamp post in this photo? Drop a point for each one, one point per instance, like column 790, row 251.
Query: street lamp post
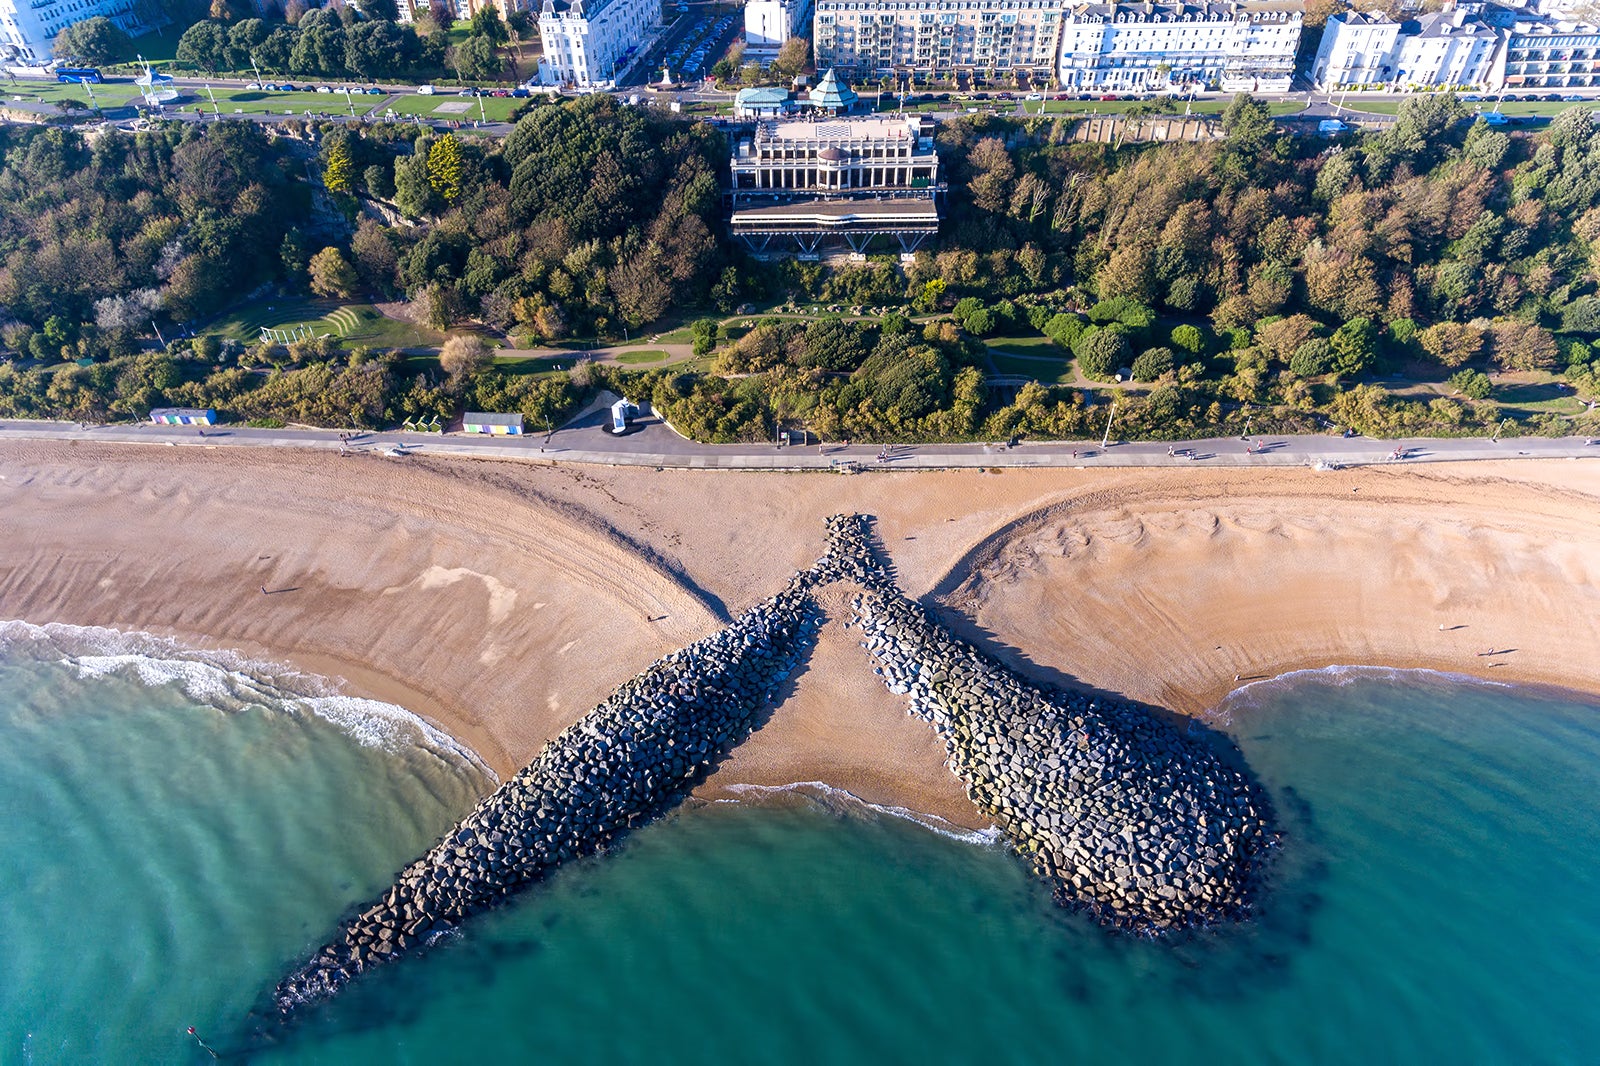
column 1105, row 441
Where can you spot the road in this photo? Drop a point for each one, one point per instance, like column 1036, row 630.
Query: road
column 652, row 443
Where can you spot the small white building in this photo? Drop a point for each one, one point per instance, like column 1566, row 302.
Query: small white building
column 769, row 23
column 591, row 43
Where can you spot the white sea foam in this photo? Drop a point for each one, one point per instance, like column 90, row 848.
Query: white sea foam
column 1249, row 694
column 229, row 681
column 823, row 792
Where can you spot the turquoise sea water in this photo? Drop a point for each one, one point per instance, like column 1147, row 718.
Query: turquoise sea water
column 178, row 830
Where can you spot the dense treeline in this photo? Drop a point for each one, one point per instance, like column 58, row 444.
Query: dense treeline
column 99, row 238
column 341, row 42
column 1263, row 277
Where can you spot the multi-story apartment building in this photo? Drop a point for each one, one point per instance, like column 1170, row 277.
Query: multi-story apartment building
column 769, row 23
column 1561, row 55
column 1442, row 48
column 1246, row 46
column 28, row 28
column 937, row 38
column 592, row 42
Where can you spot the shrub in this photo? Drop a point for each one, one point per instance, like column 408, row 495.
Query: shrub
column 1064, row 329
column 1101, row 352
column 1312, row 359
column 1152, row 363
column 1187, row 338
column 1471, row 383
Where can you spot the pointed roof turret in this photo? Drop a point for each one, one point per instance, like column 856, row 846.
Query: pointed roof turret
column 832, row 95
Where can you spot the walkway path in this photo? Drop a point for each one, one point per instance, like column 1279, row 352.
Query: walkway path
column 652, row 443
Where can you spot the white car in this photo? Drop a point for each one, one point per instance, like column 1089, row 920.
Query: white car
column 324, row 89
column 1034, row 96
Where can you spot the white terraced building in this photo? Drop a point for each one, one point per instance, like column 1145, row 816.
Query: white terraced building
column 590, row 43
column 28, row 28
column 768, row 24
column 1444, row 48
column 1240, row 46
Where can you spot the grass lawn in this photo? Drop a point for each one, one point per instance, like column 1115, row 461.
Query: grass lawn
column 355, row 324
column 1546, row 108
column 1049, row 371
column 525, row 366
column 495, row 108
column 646, row 356
column 1027, row 346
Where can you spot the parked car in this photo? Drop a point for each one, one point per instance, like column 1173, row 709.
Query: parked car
column 425, row 90
column 373, row 90
column 254, row 86
column 1034, row 96
column 520, row 93
column 1572, row 98
column 1108, row 96
column 324, row 89
column 1472, row 98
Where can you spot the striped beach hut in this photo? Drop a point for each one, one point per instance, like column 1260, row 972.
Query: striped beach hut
column 493, row 424
column 183, row 416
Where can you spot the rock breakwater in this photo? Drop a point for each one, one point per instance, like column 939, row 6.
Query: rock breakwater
column 1129, row 818
column 621, row 765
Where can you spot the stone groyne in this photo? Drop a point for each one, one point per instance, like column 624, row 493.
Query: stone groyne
column 1129, row 818
column 621, row 765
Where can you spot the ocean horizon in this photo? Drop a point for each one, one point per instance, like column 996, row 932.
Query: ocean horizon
column 185, row 826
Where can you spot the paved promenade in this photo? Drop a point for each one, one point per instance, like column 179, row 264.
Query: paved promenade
column 652, row 443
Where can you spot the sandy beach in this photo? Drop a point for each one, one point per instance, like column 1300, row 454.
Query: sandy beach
column 502, row 600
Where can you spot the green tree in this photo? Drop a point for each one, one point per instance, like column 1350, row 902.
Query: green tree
column 1471, row 383
column 792, row 57
column 413, row 191
column 1355, row 346
column 1312, row 359
column 204, row 45
column 97, row 41
column 1188, row 338
column 1452, row 343
column 332, row 275
column 379, row 181
column 444, row 170
column 1101, row 353
column 475, row 59
column 486, row 24
column 1152, row 363
column 338, row 173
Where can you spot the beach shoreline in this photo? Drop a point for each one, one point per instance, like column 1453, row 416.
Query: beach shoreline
column 501, row 601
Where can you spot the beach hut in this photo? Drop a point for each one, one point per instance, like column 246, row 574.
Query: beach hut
column 183, row 416
column 493, row 424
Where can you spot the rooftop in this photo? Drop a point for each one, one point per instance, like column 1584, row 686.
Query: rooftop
column 838, row 130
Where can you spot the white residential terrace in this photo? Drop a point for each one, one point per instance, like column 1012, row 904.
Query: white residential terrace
column 1247, row 45
column 590, row 43
column 28, row 28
